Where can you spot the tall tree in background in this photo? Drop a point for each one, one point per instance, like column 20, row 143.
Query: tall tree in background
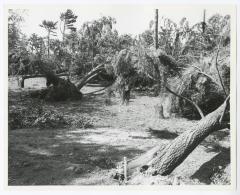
column 94, row 32
column 14, row 32
column 204, row 21
column 50, row 27
column 35, row 43
column 156, row 29
column 67, row 20
column 17, row 49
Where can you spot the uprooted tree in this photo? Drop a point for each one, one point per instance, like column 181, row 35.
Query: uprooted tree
column 60, row 89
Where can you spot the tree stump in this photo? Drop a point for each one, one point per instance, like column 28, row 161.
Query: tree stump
column 159, row 111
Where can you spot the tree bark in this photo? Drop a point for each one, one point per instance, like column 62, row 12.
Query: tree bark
column 163, row 160
column 90, row 76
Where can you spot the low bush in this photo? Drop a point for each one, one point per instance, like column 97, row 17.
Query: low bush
column 36, row 116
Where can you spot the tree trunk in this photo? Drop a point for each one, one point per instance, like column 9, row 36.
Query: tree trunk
column 204, row 21
column 159, row 111
column 163, row 160
column 93, row 73
column 63, row 33
column 156, row 29
column 178, row 150
column 125, row 92
column 48, row 43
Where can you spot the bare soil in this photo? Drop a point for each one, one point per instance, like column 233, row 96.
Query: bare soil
column 74, row 156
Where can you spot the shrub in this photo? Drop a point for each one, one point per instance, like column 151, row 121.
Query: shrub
column 50, row 119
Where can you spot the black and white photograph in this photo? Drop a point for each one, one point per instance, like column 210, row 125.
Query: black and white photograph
column 121, row 95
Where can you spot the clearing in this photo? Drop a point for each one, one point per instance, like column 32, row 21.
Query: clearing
column 76, row 156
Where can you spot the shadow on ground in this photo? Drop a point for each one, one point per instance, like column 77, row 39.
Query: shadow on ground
column 54, row 157
column 163, row 134
column 206, row 171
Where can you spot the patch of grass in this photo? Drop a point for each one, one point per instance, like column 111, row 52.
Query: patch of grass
column 81, row 122
column 23, row 117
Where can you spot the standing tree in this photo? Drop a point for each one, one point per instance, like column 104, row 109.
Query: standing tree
column 35, row 43
column 17, row 50
column 67, row 20
column 50, row 27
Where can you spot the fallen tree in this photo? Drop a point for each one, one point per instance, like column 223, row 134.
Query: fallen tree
column 164, row 159
column 58, row 88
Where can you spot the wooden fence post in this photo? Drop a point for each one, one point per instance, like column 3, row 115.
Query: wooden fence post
column 125, row 169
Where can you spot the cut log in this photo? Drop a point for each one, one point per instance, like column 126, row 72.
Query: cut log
column 163, row 160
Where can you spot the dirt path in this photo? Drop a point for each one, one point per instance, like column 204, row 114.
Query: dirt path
column 87, row 156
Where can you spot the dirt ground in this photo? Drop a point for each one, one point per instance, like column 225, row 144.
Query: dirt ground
column 75, row 156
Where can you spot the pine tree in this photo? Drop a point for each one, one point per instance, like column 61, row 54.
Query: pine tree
column 68, row 18
column 50, row 27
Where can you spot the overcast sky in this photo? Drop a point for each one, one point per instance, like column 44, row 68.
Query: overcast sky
column 131, row 19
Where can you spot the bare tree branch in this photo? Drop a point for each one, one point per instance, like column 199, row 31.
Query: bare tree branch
column 225, row 108
column 190, row 101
